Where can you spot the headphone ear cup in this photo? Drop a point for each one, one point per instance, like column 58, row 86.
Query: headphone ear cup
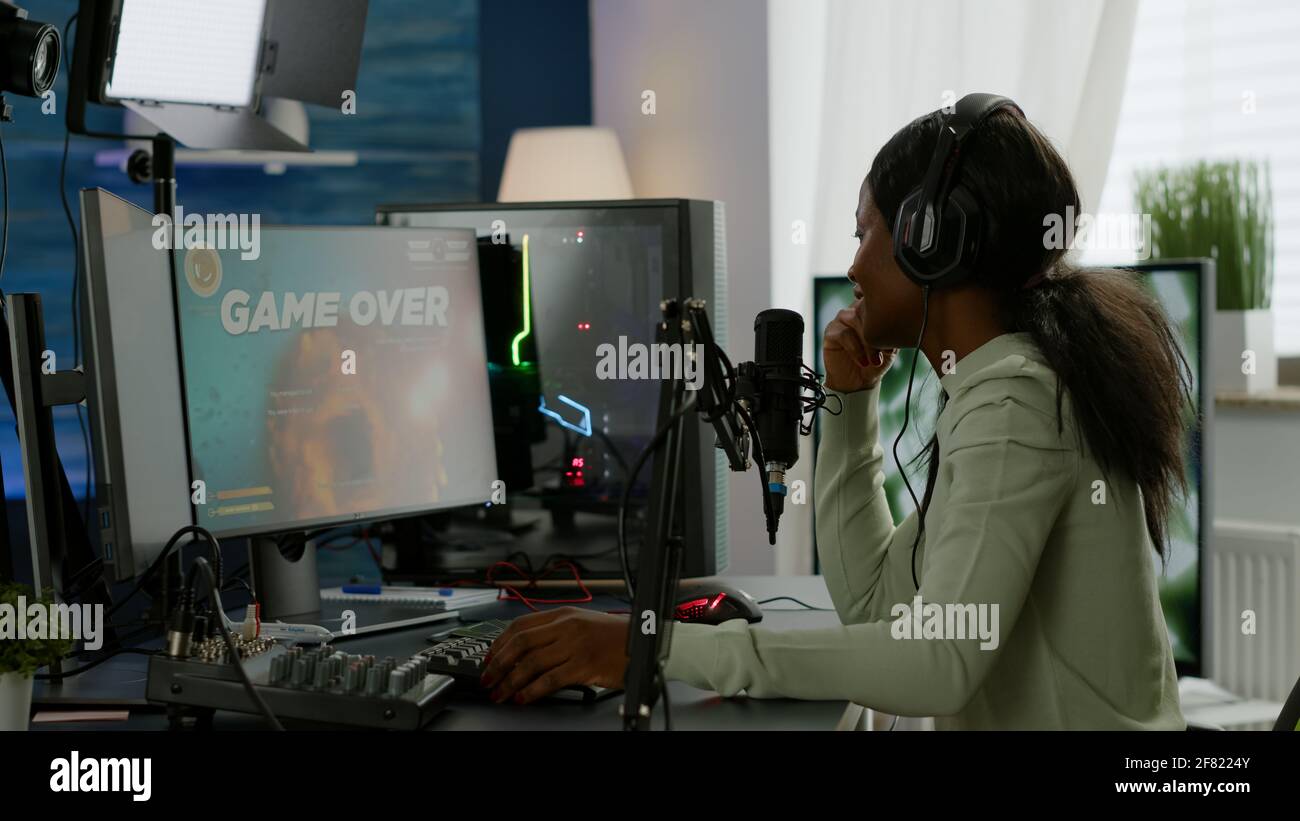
column 907, row 221
column 960, row 228
column 963, row 224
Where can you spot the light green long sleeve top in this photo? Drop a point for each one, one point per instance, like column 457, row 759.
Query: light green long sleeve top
column 1017, row 520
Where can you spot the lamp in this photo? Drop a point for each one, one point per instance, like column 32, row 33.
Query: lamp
column 569, row 163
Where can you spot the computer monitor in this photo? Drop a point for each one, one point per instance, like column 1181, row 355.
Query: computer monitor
column 335, row 375
column 142, row 487
column 1186, row 290
column 562, row 279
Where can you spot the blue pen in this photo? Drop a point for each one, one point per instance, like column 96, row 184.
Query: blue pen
column 366, row 589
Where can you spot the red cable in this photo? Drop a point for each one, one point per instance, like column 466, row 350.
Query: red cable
column 529, row 601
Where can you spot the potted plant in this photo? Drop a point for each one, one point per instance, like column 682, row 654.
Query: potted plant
column 1222, row 210
column 21, row 657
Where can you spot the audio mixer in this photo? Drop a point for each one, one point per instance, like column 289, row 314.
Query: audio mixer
column 314, row 683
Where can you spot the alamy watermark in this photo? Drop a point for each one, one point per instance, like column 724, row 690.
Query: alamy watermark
column 1082, row 231
column 41, row 621
column 133, row 776
column 928, row 620
column 657, row 360
column 221, row 232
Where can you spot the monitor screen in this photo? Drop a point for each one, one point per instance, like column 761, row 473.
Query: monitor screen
column 1179, row 289
column 187, row 51
column 335, row 374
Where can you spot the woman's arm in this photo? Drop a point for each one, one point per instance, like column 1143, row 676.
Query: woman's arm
column 1009, row 476
column 866, row 560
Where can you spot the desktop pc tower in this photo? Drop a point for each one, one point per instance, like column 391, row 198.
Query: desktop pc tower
column 560, row 280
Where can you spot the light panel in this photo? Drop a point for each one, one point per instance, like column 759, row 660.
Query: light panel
column 188, row 51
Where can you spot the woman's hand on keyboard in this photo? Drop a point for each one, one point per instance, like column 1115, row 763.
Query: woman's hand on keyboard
column 544, row 652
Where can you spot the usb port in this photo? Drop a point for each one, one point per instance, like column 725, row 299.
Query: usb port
column 108, row 551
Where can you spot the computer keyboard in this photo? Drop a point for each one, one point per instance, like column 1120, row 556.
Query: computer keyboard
column 459, row 653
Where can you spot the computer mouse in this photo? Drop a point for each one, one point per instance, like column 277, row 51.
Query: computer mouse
column 712, row 602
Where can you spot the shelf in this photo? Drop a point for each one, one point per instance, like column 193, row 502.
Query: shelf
column 1283, row 397
column 273, row 162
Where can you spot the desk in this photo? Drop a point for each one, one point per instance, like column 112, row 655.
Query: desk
column 121, row 681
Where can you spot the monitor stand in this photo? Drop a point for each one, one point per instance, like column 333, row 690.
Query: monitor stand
column 286, row 581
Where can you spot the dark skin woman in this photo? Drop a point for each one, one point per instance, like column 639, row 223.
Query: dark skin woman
column 1122, row 390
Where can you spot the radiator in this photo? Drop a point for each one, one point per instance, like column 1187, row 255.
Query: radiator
column 1254, row 567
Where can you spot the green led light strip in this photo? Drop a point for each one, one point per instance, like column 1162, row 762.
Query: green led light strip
column 528, row 309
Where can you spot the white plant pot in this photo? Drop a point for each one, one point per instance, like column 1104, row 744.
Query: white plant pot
column 1232, row 335
column 15, row 701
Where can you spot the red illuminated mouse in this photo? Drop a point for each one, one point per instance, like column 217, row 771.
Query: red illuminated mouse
column 712, row 602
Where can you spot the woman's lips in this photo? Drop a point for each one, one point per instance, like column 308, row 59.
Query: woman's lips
column 857, row 294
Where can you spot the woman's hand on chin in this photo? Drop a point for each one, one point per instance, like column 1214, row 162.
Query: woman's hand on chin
column 852, row 364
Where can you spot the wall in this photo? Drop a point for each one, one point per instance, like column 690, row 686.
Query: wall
column 708, row 138
column 797, row 29
column 1255, row 451
column 535, row 63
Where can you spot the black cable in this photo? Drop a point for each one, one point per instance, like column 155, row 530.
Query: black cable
column 811, row 404
column 769, row 515
column 729, row 375
column 236, row 661
column 157, row 564
column 235, row 584
column 92, row 665
column 75, row 301
column 663, row 692
column 907, row 409
column 642, row 458
column 804, row 605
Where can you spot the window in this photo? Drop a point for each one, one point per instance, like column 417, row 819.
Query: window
column 1217, row 80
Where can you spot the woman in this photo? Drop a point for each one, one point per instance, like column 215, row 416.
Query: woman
column 1054, row 465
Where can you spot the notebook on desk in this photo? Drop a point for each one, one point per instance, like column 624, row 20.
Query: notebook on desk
column 433, row 598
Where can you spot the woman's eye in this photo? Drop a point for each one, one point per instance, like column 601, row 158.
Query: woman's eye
column 857, row 235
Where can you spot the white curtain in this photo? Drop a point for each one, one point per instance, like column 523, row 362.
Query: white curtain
column 844, row 75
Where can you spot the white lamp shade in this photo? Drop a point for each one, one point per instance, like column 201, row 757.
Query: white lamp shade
column 578, row 163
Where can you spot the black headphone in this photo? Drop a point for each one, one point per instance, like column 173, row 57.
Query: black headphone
column 938, row 227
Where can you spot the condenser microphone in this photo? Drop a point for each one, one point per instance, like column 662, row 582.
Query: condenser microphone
column 778, row 406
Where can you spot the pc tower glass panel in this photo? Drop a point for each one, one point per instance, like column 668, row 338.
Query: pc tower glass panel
column 572, row 294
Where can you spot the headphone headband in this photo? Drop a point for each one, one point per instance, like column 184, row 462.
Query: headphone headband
column 919, row 230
